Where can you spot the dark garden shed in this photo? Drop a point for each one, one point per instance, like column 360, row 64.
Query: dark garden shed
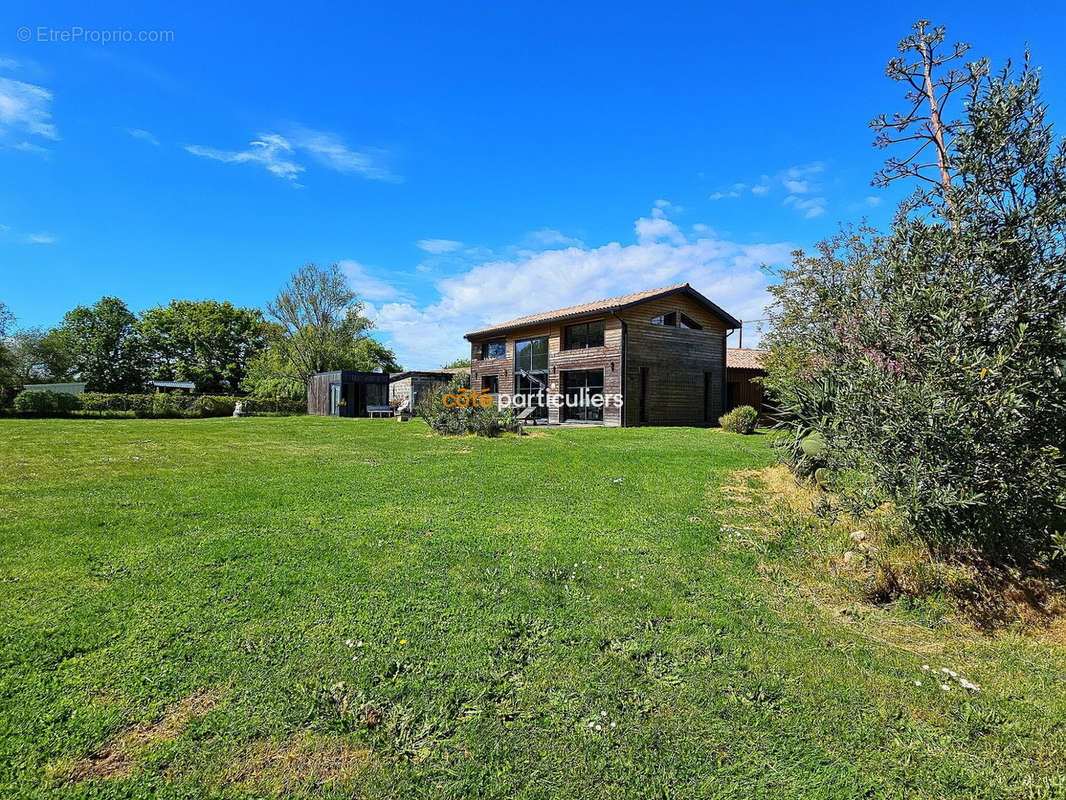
column 346, row 393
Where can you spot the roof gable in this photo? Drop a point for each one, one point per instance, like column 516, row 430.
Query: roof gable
column 607, row 305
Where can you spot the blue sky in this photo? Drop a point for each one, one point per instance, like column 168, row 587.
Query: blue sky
column 465, row 163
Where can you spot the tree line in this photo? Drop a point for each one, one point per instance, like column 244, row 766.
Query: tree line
column 315, row 323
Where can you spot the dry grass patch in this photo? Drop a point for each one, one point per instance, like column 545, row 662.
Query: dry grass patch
column 118, row 758
column 281, row 767
column 842, row 559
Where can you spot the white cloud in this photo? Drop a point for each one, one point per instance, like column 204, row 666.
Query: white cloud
column 9, row 64
column 800, row 179
column 550, row 238
column 331, row 151
column 40, row 238
column 811, row 207
column 733, row 191
column 140, row 133
column 872, row 201
column 667, row 206
column 25, row 111
column 427, row 335
column 367, row 286
column 657, row 228
column 277, row 154
column 438, row 246
column 270, row 151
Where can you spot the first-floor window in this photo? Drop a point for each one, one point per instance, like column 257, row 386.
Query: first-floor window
column 583, row 395
column 490, row 384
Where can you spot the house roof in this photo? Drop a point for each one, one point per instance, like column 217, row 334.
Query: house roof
column 744, row 358
column 173, row 384
column 608, row 304
column 441, row 374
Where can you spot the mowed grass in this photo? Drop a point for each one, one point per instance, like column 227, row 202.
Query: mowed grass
column 346, row 608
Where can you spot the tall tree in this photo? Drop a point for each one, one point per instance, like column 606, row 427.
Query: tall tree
column 203, row 341
column 370, row 355
column 933, row 79
column 104, row 348
column 7, row 320
column 39, row 356
column 318, row 325
column 943, row 344
column 8, row 381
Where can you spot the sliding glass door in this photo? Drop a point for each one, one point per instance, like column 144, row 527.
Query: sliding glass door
column 531, row 373
column 579, row 387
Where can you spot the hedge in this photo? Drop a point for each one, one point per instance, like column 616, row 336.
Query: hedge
column 150, row 405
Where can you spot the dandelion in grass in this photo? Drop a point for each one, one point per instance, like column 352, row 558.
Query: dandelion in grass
column 599, row 727
column 917, row 683
column 614, row 724
column 945, row 687
column 925, row 667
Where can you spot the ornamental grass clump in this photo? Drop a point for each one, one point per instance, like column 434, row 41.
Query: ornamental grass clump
column 741, row 419
column 454, row 411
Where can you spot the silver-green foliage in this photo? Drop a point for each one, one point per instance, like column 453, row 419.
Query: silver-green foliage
column 945, row 342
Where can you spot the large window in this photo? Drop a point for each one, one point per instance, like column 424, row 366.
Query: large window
column 490, row 384
column 586, row 334
column 666, row 320
column 580, row 387
column 531, row 373
column 494, row 349
column 377, row 394
column 531, row 354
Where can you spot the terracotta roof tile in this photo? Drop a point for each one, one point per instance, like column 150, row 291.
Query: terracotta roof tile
column 746, row 358
column 608, row 304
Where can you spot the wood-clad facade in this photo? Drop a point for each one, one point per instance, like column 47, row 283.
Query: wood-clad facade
column 346, row 393
column 662, row 351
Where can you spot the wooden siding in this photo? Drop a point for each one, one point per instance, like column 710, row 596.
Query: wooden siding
column 318, row 392
column 743, row 391
column 318, row 388
column 676, row 360
column 608, row 358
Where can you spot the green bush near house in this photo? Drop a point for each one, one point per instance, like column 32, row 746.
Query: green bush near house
column 456, row 418
column 741, row 419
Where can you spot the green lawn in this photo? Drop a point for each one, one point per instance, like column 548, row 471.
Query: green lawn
column 178, row 599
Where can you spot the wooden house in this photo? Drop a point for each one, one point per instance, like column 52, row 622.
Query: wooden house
column 744, row 371
column 661, row 352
